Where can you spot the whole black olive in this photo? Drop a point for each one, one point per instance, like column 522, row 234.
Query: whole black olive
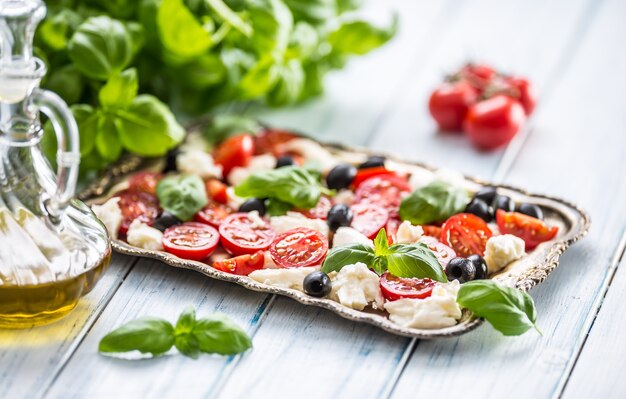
column 530, row 210
column 165, row 220
column 317, row 284
column 480, row 265
column 253, row 204
column 487, row 194
column 373, row 162
column 285, row 160
column 480, row 208
column 503, row 202
column 170, row 160
column 461, row 269
column 338, row 216
column 341, row 176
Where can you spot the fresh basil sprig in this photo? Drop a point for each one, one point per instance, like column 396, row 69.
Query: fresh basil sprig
column 182, row 195
column 294, row 185
column 402, row 260
column 508, row 310
column 432, row 203
column 191, row 336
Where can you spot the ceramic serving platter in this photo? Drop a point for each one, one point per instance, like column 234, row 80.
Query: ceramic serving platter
column 525, row 273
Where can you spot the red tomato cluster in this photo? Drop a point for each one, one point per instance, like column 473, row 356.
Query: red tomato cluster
column 488, row 106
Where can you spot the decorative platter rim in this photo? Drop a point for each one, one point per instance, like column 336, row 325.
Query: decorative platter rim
column 535, row 274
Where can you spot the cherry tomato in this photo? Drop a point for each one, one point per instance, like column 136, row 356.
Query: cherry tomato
column 443, row 252
column 137, row 205
column 243, row 235
column 383, row 190
column 190, row 240
column 492, row 123
column 271, row 141
column 320, row 211
column 364, row 174
column 394, row 288
column 449, row 103
column 392, row 229
column 467, row 234
column 368, row 218
column 524, row 93
column 532, row 230
column 478, row 75
column 214, row 214
column 300, row 247
column 234, row 151
column 144, row 181
column 216, row 190
column 432, row 231
column 242, row 265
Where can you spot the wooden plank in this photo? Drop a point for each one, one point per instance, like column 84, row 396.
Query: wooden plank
column 30, row 359
column 153, row 288
column 599, row 369
column 573, row 152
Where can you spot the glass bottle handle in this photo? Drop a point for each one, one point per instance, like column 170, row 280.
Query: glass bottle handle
column 68, row 152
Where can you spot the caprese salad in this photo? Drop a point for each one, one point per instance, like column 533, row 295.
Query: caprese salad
column 367, row 232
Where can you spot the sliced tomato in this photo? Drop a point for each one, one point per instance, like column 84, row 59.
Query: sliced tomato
column 242, row 264
column 216, row 190
column 467, row 234
column 532, row 230
column 190, row 240
column 320, row 211
column 364, row 174
column 394, row 288
column 432, row 231
column 300, row 247
column 240, row 234
column 271, row 141
column 145, row 181
column 383, row 190
column 234, row 151
column 214, row 214
column 137, row 205
column 443, row 252
column 368, row 218
column 392, row 229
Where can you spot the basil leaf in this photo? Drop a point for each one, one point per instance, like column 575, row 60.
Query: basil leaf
column 185, row 342
column 120, row 90
column 508, row 310
column 67, row 82
column 292, row 184
column 414, row 260
column 182, row 195
column 339, row 257
column 147, row 335
column 275, row 207
column 100, row 47
column 107, row 140
column 180, row 33
column 359, row 37
column 218, row 334
column 432, row 203
column 381, row 244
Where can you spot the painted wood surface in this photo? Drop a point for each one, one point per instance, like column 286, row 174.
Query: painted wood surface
column 573, row 50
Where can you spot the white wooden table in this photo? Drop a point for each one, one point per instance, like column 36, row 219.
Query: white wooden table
column 575, row 147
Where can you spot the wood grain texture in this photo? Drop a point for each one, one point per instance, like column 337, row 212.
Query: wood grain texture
column 31, row 359
column 561, row 156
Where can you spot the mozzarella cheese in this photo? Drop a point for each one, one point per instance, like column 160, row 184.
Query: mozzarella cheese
column 408, row 234
column 256, row 219
column 198, row 162
column 355, row 286
column 312, row 151
column 284, row 278
column 194, row 142
column 450, row 176
column 420, row 178
column 110, row 215
column 234, row 201
column 345, row 197
column 437, row 311
column 502, row 250
column 348, row 235
column 143, row 236
column 293, row 220
column 261, row 162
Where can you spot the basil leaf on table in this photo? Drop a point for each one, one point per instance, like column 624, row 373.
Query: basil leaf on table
column 146, row 335
column 218, row 334
column 414, row 260
column 344, row 255
column 182, row 195
column 508, row 310
column 291, row 184
column 432, row 203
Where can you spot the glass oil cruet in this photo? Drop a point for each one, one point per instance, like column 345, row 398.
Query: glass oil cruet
column 52, row 248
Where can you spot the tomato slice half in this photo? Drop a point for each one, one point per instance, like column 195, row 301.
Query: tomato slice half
column 144, row 181
column 532, row 230
column 190, row 240
column 213, row 214
column 368, row 218
column 383, row 190
column 240, row 234
column 443, row 252
column 467, row 234
column 242, row 265
column 364, row 174
column 394, row 288
column 234, row 151
column 300, row 247
column 137, row 205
